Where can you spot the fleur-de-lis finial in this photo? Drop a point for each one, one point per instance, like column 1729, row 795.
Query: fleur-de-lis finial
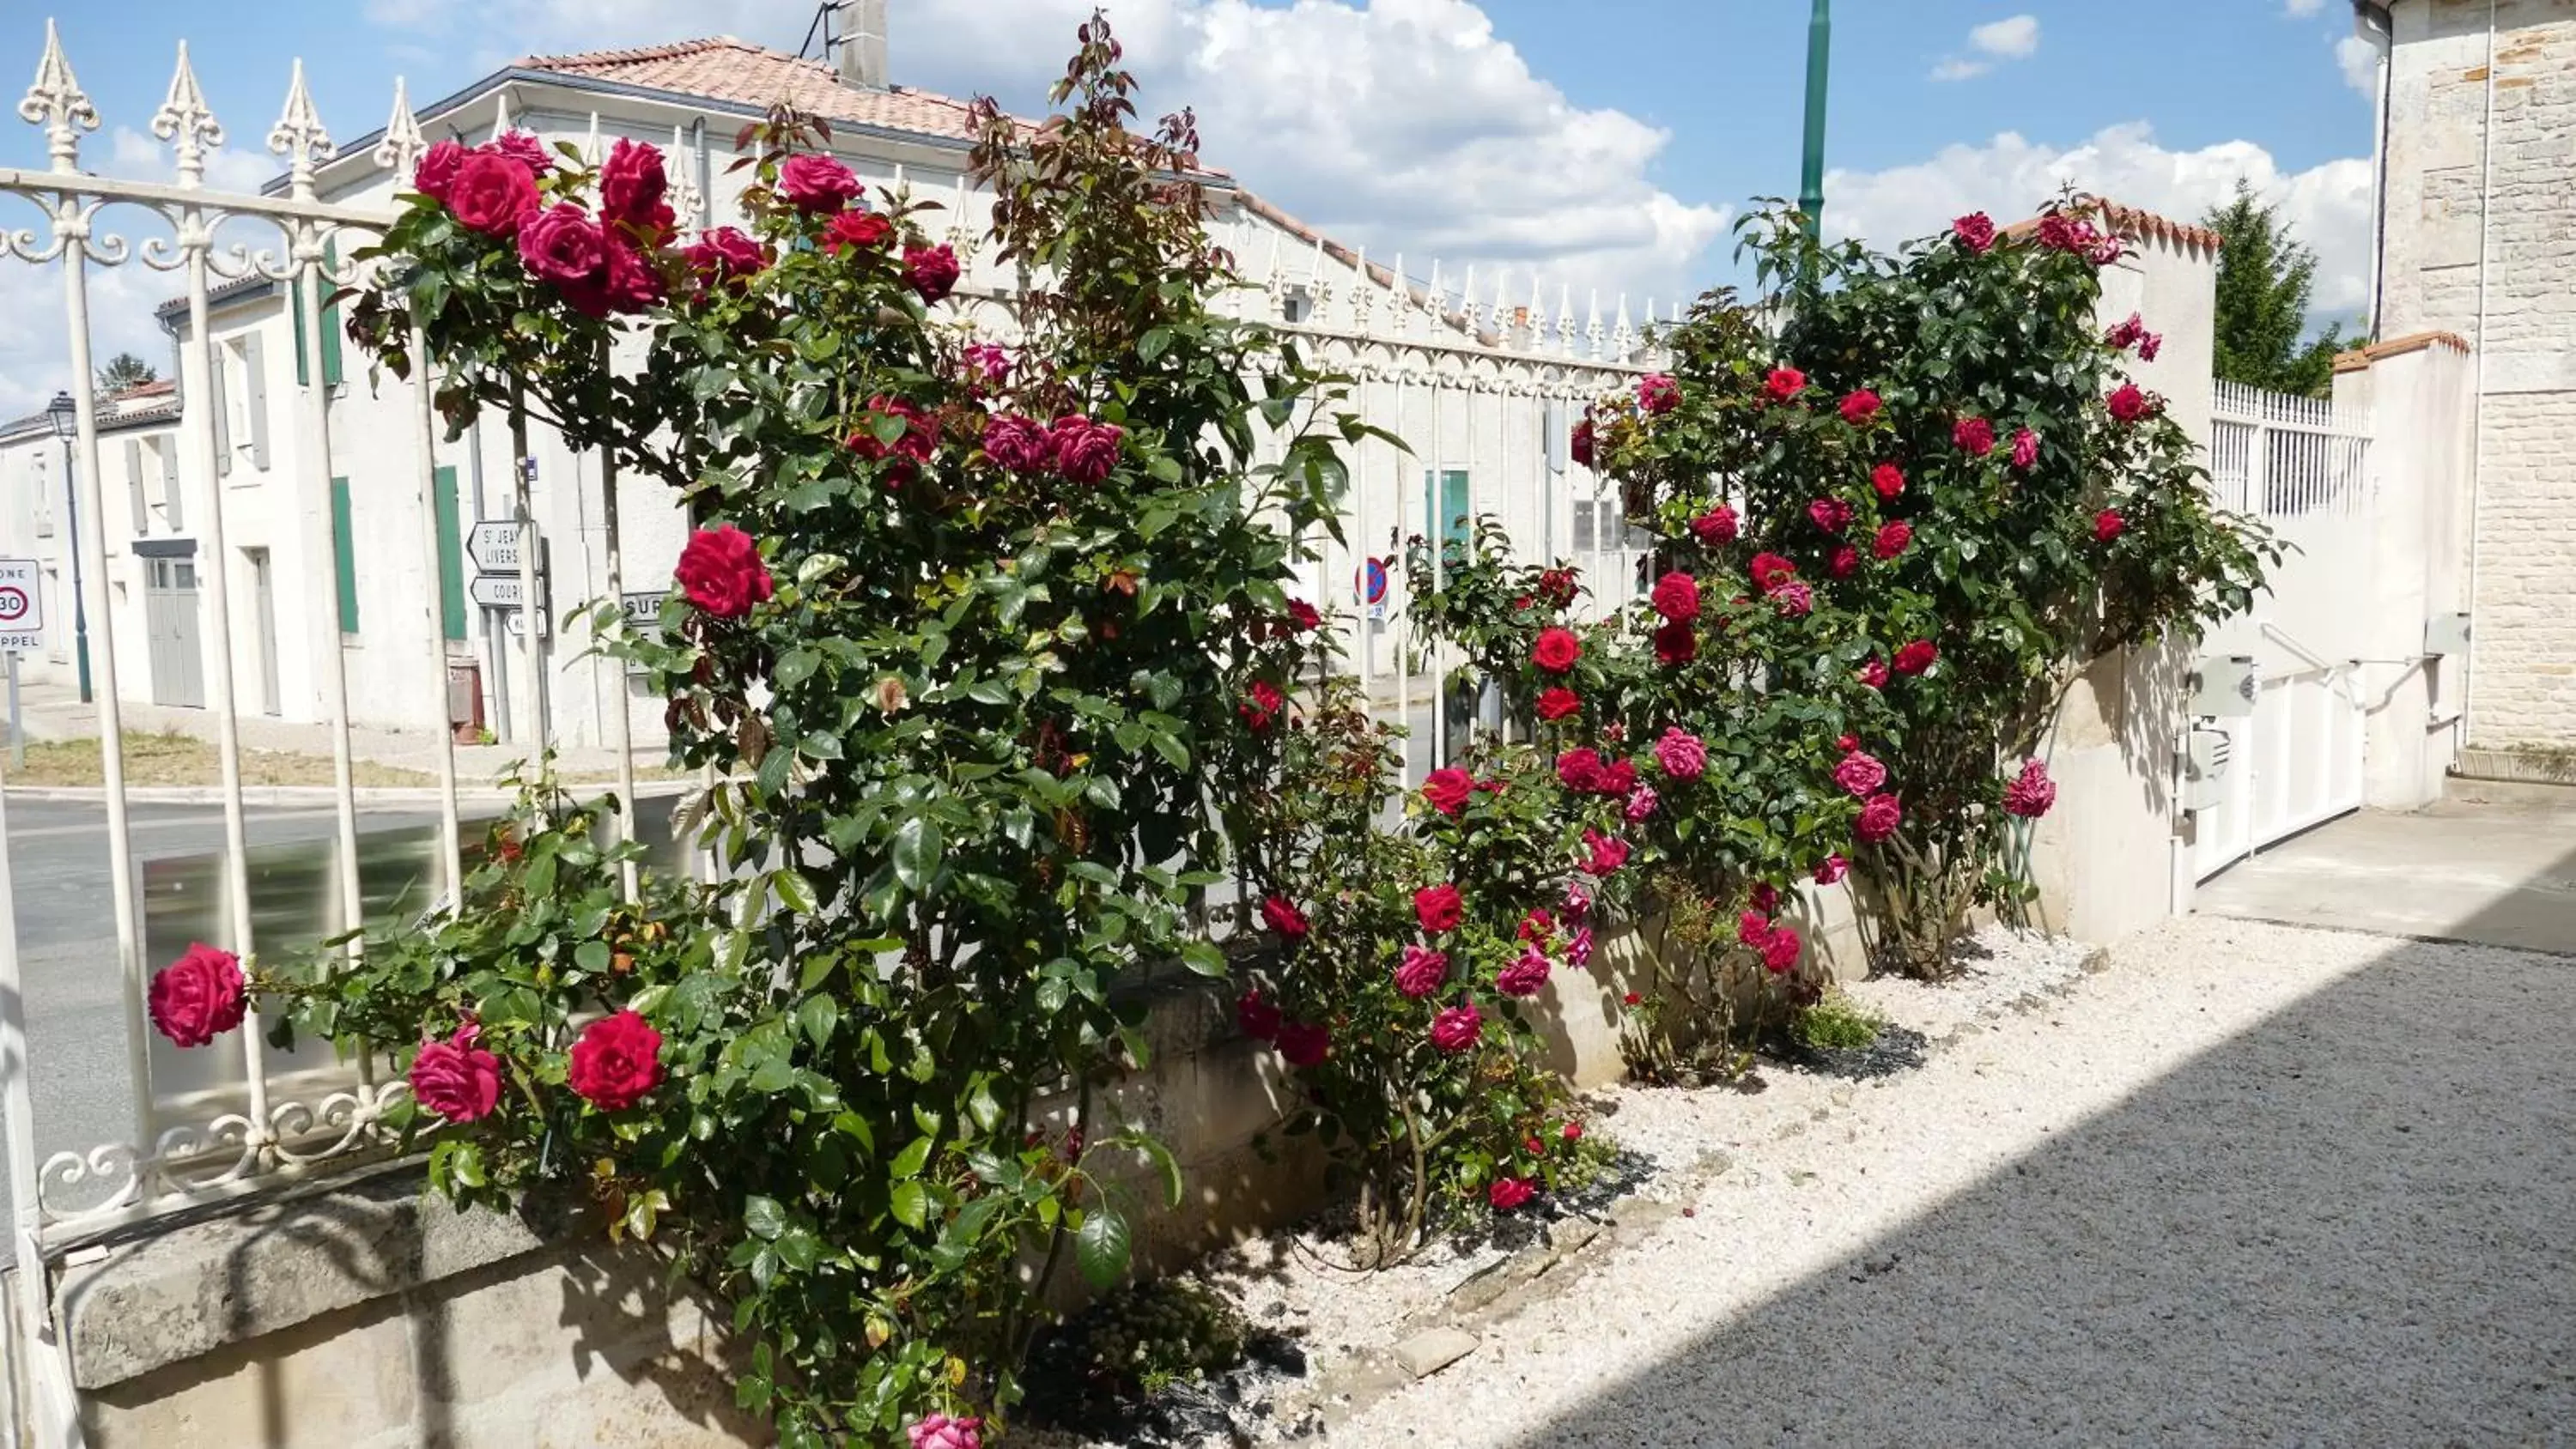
column 57, row 103
column 185, row 121
column 298, row 136
column 403, row 142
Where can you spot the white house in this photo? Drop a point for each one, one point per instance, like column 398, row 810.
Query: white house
column 1482, row 375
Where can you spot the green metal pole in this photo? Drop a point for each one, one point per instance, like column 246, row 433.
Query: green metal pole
column 1811, row 179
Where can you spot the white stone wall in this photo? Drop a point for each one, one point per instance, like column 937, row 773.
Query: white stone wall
column 2522, row 686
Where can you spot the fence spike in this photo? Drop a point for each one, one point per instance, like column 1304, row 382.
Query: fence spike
column 1624, row 339
column 1504, row 322
column 1400, row 307
column 1467, row 312
column 57, row 103
column 501, row 113
column 402, row 144
column 1363, row 293
column 1565, row 318
column 298, row 135
column 185, row 121
column 591, row 150
column 1592, row 323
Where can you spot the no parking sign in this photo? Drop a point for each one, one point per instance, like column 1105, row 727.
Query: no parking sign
column 22, row 616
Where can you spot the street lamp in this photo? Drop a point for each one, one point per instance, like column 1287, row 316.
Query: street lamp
column 1811, row 189
column 66, row 419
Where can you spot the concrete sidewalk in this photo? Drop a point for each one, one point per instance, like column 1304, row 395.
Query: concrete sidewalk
column 54, row 712
column 2494, row 864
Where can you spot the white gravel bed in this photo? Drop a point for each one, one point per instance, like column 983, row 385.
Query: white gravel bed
column 1998, row 968
column 2253, row 1184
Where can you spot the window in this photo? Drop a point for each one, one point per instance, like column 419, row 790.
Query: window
column 344, row 567
column 241, row 416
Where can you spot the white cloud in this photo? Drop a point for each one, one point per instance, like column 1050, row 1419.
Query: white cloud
column 2327, row 205
column 2359, row 60
column 136, row 156
column 2302, row 7
column 2014, row 38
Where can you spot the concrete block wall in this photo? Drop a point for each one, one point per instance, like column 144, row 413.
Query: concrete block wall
column 2479, row 239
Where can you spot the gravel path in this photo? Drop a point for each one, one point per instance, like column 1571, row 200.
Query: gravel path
column 2252, row 1185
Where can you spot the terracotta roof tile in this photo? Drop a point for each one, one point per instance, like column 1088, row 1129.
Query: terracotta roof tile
column 726, row 69
column 2133, row 224
column 2362, row 357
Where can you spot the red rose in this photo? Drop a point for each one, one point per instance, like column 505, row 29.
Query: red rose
column 1716, row 526
column 1447, row 791
column 721, row 572
column 856, row 229
column 1780, row 952
column 1874, row 673
column 1573, row 1132
column 1556, row 650
column 1282, row 915
column 1258, row 1018
column 817, row 183
column 1676, row 597
column 1768, row 569
column 1879, row 818
column 632, row 284
column 1303, row 1044
column 1579, row 770
column 1457, row 1028
column 2058, row 234
column 1892, row 539
column 1017, row 444
column 2108, row 525
column 1859, row 406
column 1888, row 479
column 1302, row 616
column 1752, row 928
column 2128, row 403
column 1833, row 869
column 631, row 187
column 562, row 246
column 455, row 1078
column 1423, row 972
column 2025, row 447
column 1616, row 779
column 1260, row 705
column 616, row 1061
column 1603, row 854
column 1846, row 559
column 437, row 169
column 2031, row 793
column 930, row 271
column 1439, row 908
column 1784, row 383
column 1579, row 444
column 1507, row 1193
column 522, row 149
column 1976, row 231
column 492, row 194
column 1915, row 655
column 1557, row 586
column 198, row 997
column 1085, row 451
column 1975, row 436
column 1557, row 702
column 910, row 449
column 1676, row 643
column 1630, row 999
column 725, row 255
column 1832, row 515
column 1658, row 394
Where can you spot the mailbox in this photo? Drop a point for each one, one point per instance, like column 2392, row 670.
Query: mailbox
column 2206, row 754
column 2446, row 634
column 2223, row 686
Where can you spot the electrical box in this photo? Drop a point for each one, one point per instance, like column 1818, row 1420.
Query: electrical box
column 2206, row 754
column 2223, row 686
column 2446, row 634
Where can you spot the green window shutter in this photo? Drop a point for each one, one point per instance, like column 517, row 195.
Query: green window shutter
column 295, row 298
column 344, row 556
column 332, row 374
column 451, row 558
column 1451, row 506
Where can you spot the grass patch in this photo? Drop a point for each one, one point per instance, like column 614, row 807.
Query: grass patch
column 1837, row 1022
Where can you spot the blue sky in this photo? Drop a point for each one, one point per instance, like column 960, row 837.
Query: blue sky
column 1602, row 143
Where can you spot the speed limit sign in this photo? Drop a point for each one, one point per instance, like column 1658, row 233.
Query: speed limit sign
column 22, row 618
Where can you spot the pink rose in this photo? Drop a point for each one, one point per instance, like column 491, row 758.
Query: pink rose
column 1765, row 897
column 563, row 246
column 1717, row 526
column 1423, row 971
column 1860, row 774
column 2031, row 793
column 522, row 149
column 455, row 1078
column 988, row 364
column 1794, row 598
column 1019, row 445
column 2025, row 448
column 1641, row 804
column 1873, row 673
column 1976, row 231
column 1578, row 948
column 938, row 1431
column 1508, row 1193
column 1752, row 928
column 437, row 169
column 1658, row 394
column 910, row 449
column 1304, row 1044
column 721, row 572
column 725, row 255
column 1683, row 755
column 817, row 183
column 1526, row 976
column 2125, row 335
column 1603, row 853
column 632, row 284
column 1833, row 515
column 1833, row 869
column 1085, row 451
column 2149, row 346
column 631, row 188
column 1457, row 1029
column 1974, row 436
column 1879, row 817
column 1578, row 901
column 1892, row 539
column 1770, row 570
column 198, row 997
column 1258, row 1018
column 1859, row 406
column 492, row 194
column 1676, row 596
column 931, row 272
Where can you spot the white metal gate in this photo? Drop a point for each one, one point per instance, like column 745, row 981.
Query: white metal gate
column 2303, row 467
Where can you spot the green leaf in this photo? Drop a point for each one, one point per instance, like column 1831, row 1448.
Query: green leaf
column 796, row 666
column 1203, row 958
column 918, row 846
column 763, row 1218
column 592, row 956
column 910, row 1202
column 800, row 1249
column 910, row 1161
column 1102, row 1247
column 794, row 891
column 817, row 1017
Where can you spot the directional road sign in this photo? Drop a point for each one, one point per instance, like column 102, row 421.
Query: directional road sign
column 493, row 545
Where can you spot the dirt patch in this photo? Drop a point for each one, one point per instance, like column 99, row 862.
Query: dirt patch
column 175, row 759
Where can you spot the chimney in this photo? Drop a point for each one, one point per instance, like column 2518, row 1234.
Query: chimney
column 861, row 54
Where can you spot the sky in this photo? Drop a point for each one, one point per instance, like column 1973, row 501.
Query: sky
column 1593, row 144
